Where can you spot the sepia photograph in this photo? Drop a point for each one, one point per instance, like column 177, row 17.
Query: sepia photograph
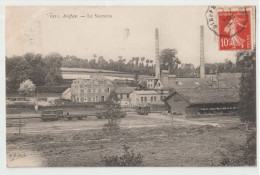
column 130, row 86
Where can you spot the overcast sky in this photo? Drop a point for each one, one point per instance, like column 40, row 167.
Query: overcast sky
column 30, row 29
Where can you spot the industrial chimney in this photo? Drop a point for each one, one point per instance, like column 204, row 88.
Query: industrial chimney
column 202, row 66
column 157, row 59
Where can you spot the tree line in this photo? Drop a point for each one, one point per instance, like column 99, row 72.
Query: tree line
column 141, row 65
column 42, row 71
column 46, row 71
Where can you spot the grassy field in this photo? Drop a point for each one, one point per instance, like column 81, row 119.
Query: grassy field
column 165, row 146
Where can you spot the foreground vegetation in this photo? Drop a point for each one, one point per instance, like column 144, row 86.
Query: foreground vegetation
column 160, row 146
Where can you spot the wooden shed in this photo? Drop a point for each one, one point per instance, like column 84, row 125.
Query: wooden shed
column 203, row 101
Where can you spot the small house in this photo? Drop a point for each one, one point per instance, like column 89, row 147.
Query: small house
column 123, row 94
column 144, row 97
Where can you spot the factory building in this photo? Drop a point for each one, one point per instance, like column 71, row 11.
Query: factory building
column 95, row 89
column 203, row 101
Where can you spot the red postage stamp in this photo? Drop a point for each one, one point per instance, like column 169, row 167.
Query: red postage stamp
column 234, row 30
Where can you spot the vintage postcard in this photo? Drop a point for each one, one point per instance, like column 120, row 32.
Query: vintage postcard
column 130, row 86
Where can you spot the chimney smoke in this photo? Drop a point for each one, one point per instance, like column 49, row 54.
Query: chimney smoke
column 202, row 64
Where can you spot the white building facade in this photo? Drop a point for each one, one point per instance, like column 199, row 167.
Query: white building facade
column 145, row 97
column 95, row 89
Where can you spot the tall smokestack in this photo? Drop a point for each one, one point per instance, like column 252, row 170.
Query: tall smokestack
column 157, row 59
column 202, row 66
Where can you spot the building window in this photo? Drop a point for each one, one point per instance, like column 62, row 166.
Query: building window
column 89, row 99
column 121, row 96
column 127, row 95
column 151, row 98
column 142, row 99
column 145, row 99
column 154, row 98
column 108, row 89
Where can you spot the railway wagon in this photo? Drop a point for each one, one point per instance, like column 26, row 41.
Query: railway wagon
column 56, row 114
column 143, row 110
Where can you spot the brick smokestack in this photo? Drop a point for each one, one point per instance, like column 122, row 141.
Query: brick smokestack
column 157, row 59
column 202, row 64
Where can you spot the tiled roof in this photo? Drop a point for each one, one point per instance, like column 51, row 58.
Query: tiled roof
column 228, row 80
column 120, row 78
column 124, row 89
column 230, row 75
column 210, row 95
column 70, row 76
column 180, row 83
column 66, row 91
column 148, row 92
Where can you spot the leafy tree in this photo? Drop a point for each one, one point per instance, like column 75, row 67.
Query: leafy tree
column 186, row 70
column 27, row 87
column 19, row 73
column 137, row 61
column 246, row 64
column 11, row 63
column 169, row 61
column 147, row 62
column 120, row 63
column 142, row 60
column 113, row 108
column 37, row 71
column 226, row 67
column 128, row 159
column 54, row 63
column 92, row 64
column 229, row 66
column 102, row 63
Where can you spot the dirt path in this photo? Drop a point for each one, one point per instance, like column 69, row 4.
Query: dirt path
column 91, row 123
column 23, row 158
column 183, row 121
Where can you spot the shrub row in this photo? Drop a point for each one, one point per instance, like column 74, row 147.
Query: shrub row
column 51, row 89
column 43, row 89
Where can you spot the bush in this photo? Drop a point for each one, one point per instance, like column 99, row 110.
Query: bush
column 241, row 155
column 128, row 159
column 51, row 89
